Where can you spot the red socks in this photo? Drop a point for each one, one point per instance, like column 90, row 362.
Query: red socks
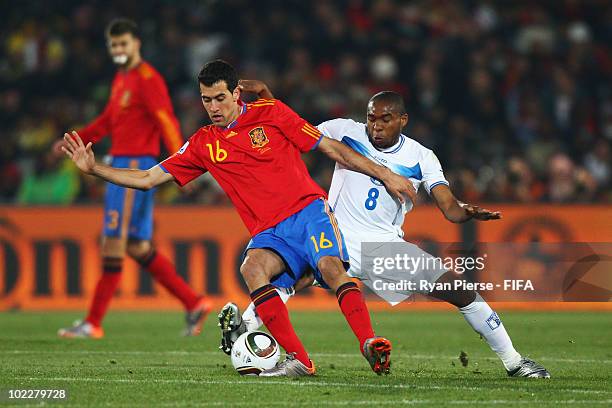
column 159, row 266
column 111, row 275
column 355, row 311
column 164, row 272
column 275, row 317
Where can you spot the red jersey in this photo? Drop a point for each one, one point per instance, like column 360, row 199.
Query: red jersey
column 138, row 113
column 256, row 160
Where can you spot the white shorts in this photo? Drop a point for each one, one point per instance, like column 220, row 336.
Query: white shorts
column 392, row 284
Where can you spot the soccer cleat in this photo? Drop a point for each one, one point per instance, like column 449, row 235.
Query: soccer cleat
column 377, row 350
column 530, row 369
column 232, row 326
column 290, row 367
column 82, row 330
column 195, row 318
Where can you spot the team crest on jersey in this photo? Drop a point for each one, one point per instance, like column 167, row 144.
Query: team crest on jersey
column 258, row 137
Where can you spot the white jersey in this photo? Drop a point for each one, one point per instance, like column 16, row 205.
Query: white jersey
column 364, row 209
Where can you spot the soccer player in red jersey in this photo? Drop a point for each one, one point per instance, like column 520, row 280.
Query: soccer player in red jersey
column 253, row 151
column 138, row 114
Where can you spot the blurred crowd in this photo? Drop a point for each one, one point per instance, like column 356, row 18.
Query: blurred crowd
column 515, row 97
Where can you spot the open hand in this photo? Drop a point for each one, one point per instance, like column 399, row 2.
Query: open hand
column 80, row 154
column 480, row 214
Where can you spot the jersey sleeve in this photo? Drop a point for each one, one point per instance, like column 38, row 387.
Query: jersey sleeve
column 158, row 103
column 184, row 165
column 98, row 128
column 333, row 128
column 432, row 171
column 301, row 133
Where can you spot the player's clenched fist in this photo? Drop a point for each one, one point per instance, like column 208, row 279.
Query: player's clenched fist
column 399, row 187
column 80, row 154
column 255, row 86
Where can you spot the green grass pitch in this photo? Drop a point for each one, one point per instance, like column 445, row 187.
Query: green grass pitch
column 143, row 362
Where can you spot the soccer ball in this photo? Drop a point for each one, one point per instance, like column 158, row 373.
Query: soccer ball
column 254, row 352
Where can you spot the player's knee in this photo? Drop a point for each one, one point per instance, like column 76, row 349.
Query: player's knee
column 252, row 269
column 332, row 270
column 113, row 248
column 459, row 298
column 259, row 266
column 139, row 250
column 330, row 265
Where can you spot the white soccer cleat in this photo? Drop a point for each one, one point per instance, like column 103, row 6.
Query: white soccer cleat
column 290, row 367
column 81, row 330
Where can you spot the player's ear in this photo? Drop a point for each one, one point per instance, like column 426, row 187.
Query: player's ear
column 236, row 94
column 404, row 120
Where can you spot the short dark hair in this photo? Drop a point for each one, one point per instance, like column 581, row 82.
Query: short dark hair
column 391, row 98
column 120, row 26
column 218, row 70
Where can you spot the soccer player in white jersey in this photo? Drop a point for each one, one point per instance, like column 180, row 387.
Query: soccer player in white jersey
column 367, row 213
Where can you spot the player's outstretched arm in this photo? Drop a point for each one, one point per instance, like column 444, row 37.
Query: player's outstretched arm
column 83, row 157
column 458, row 212
column 396, row 185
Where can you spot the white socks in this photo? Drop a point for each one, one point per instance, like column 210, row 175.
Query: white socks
column 250, row 317
column 485, row 321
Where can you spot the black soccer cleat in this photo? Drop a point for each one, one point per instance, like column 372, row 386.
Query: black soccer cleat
column 232, row 326
column 529, row 369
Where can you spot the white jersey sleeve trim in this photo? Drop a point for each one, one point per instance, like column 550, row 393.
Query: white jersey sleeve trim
column 432, row 171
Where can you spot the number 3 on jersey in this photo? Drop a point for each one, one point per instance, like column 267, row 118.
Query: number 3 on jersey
column 373, row 194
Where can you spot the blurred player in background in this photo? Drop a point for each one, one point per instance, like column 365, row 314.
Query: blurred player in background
column 138, row 114
column 253, row 151
column 367, row 213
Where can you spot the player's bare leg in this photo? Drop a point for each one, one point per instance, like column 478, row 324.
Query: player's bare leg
column 487, row 323
column 377, row 350
column 259, row 266
column 113, row 251
column 164, row 272
column 459, row 298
